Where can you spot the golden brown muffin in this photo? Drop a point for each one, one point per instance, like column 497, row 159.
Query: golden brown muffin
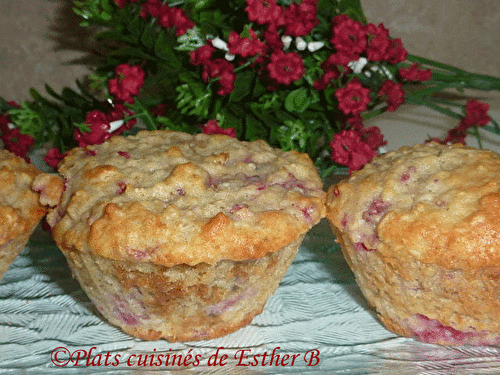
column 420, row 228
column 21, row 208
column 183, row 237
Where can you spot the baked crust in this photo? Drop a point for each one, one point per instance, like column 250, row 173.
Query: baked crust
column 20, row 210
column 420, row 228
column 20, row 207
column 444, row 199
column 172, row 198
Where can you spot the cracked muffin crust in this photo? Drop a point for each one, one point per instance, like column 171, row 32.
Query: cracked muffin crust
column 137, row 208
column 420, row 228
column 21, row 206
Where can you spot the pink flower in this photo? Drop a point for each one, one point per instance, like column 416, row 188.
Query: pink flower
column 348, row 35
column 212, row 127
column 127, row 83
column 98, row 123
column 354, row 98
column 393, row 93
column 223, row 70
column 285, row 68
column 415, row 74
column 347, row 148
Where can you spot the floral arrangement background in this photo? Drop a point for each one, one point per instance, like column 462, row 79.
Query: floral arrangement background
column 302, row 75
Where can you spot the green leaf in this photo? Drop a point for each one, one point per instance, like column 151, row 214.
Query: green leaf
column 255, row 129
column 164, row 50
column 243, row 85
column 148, row 38
column 191, row 40
column 293, row 136
column 298, row 100
column 194, row 99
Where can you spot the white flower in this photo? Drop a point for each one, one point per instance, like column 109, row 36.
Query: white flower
column 300, row 43
column 314, row 46
column 384, row 70
column 358, row 65
column 115, row 125
column 229, row 57
column 287, row 40
column 220, row 44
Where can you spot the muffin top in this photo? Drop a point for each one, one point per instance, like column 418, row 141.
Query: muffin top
column 173, row 198
column 20, row 207
column 431, row 203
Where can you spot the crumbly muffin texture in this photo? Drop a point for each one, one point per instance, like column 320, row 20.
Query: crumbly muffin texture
column 173, row 198
column 151, row 222
column 20, row 206
column 420, row 227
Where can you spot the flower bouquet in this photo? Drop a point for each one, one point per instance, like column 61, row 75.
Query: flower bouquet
column 300, row 74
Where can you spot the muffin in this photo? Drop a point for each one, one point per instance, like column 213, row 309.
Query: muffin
column 420, row 228
column 183, row 237
column 21, row 208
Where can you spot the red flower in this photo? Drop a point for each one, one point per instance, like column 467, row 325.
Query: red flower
column 152, row 8
column 397, row 53
column 245, row 47
column 339, row 58
column 326, row 79
column 455, row 135
column 54, row 157
column 285, row 67
column 212, row 127
column 476, row 113
column 159, row 110
column 224, row 71
column 263, row 11
column 119, row 112
column 127, row 83
column 378, row 44
column 180, row 21
column 98, row 123
column 300, row 19
column 17, row 143
column 273, row 38
column 415, row 74
column 121, row 3
column 201, row 55
column 347, row 148
column 348, row 35
column 373, row 137
column 354, row 98
column 393, row 93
